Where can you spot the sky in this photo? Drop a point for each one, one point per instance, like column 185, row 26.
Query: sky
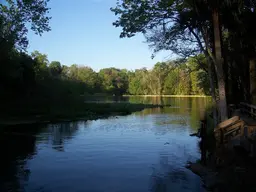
column 82, row 33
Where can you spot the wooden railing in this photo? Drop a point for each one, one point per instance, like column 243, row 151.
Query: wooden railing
column 229, row 129
column 248, row 109
column 238, row 130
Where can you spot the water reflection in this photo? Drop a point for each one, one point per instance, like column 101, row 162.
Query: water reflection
column 58, row 133
column 187, row 111
column 145, row 151
column 18, row 145
column 16, row 148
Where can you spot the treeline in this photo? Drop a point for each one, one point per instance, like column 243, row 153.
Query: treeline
column 25, row 76
column 170, row 78
column 222, row 31
column 33, row 75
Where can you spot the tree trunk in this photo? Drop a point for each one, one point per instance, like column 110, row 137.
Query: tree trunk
column 222, row 105
column 246, row 80
column 253, row 80
column 212, row 86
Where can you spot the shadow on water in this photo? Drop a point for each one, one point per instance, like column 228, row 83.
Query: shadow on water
column 161, row 179
column 170, row 177
column 16, row 150
column 18, row 146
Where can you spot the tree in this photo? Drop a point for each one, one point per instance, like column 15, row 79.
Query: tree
column 73, row 72
column 161, row 71
column 180, row 26
column 171, row 82
column 41, row 65
column 15, row 17
column 219, row 63
column 90, row 78
column 138, row 84
column 55, row 68
column 114, row 81
column 198, row 76
column 17, row 68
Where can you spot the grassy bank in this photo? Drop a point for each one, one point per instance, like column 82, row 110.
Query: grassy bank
column 166, row 96
column 27, row 112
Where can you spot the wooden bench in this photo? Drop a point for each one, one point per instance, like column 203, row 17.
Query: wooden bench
column 234, row 131
column 225, row 130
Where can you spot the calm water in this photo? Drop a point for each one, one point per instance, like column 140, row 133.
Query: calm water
column 145, row 151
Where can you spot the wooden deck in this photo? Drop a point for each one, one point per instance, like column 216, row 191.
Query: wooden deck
column 239, row 130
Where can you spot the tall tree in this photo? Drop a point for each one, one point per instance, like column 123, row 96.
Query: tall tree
column 161, row 72
column 114, row 80
column 41, row 64
column 184, row 26
column 17, row 15
column 55, row 68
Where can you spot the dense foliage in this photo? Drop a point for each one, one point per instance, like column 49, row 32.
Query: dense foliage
column 33, row 80
column 34, row 76
column 169, row 78
column 215, row 40
column 221, row 30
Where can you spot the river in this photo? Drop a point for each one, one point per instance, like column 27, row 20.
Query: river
column 141, row 152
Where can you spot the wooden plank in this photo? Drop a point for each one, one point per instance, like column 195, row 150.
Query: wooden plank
column 223, row 135
column 249, row 109
column 232, row 136
column 231, row 131
column 227, row 123
column 239, row 123
column 238, row 127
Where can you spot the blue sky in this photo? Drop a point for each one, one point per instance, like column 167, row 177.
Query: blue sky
column 82, row 33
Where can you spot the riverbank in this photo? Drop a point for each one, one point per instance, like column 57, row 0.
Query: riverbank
column 69, row 112
column 166, row 96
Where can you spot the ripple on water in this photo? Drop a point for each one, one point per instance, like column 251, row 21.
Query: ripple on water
column 131, row 153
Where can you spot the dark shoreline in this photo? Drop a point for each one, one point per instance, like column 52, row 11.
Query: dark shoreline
column 87, row 111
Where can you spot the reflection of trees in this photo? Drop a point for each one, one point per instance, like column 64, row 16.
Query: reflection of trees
column 17, row 146
column 58, row 133
column 198, row 109
column 193, row 107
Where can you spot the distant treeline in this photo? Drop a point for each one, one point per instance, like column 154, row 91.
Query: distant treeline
column 33, row 75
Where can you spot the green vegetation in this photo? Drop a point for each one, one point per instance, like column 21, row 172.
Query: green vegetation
column 35, row 87
column 212, row 61
column 32, row 86
column 169, row 78
column 33, row 75
column 75, row 110
column 219, row 32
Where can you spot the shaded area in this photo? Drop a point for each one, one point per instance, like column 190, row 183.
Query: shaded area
column 170, row 177
column 19, row 145
column 16, row 149
column 70, row 111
